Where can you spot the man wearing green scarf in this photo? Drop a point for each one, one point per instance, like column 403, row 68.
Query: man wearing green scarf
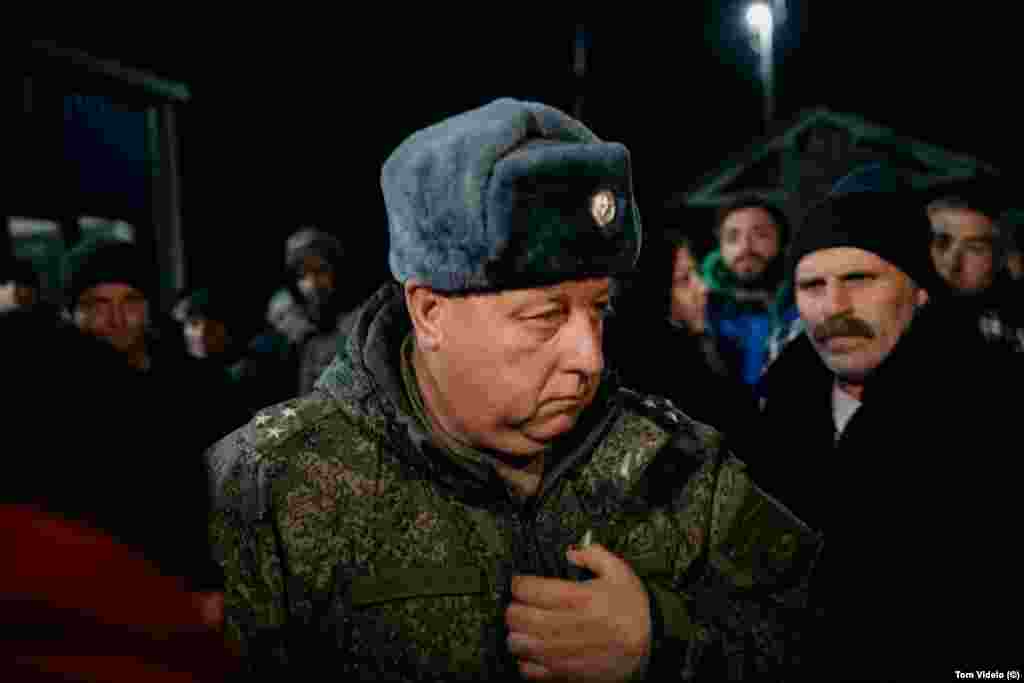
column 750, row 298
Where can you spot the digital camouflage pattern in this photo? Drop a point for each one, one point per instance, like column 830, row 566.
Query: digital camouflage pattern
column 352, row 545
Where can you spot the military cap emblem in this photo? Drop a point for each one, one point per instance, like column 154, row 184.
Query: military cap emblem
column 602, row 208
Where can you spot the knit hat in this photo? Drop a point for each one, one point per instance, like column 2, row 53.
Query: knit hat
column 98, row 260
column 312, row 241
column 874, row 210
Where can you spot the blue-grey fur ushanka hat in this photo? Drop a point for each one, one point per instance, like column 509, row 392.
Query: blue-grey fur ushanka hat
column 510, row 195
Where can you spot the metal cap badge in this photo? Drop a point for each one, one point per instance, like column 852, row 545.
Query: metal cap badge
column 602, row 208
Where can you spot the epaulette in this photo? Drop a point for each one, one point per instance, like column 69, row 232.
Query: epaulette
column 256, row 454
column 688, row 446
column 275, row 425
column 689, row 435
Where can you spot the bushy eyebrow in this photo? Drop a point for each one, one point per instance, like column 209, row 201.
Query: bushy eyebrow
column 845, row 275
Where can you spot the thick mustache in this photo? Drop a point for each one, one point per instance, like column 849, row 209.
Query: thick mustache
column 842, row 327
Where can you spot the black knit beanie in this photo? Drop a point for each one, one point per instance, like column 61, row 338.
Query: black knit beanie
column 880, row 215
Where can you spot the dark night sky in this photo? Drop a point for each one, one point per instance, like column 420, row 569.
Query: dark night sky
column 285, row 130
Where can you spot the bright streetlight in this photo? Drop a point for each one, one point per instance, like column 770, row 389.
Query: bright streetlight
column 759, row 18
column 762, row 19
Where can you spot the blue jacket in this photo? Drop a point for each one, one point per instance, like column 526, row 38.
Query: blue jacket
column 744, row 325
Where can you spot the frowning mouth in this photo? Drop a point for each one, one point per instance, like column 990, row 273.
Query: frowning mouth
column 562, row 405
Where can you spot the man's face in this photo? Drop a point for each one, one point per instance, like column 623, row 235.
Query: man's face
column 517, row 368
column 962, row 249
column 205, row 337
column 115, row 312
column 856, row 307
column 1015, row 264
column 14, row 295
column 749, row 240
column 689, row 293
column 316, row 279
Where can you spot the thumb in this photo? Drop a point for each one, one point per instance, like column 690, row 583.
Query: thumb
column 598, row 559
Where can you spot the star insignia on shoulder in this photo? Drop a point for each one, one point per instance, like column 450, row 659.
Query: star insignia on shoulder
column 262, row 420
column 275, row 432
column 289, row 412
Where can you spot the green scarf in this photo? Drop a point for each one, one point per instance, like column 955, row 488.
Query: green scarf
column 724, row 283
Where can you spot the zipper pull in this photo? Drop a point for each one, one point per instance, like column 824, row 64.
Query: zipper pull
column 582, row 573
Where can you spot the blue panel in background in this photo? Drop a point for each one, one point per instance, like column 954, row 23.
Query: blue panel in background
column 105, row 147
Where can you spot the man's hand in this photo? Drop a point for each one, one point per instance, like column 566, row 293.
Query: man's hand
column 211, row 607
column 598, row 630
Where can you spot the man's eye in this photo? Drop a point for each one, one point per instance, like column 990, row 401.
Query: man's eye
column 810, row 286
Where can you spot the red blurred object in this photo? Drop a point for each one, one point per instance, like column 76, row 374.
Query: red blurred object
column 75, row 604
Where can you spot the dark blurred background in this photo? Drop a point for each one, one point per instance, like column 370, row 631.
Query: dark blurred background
column 288, row 126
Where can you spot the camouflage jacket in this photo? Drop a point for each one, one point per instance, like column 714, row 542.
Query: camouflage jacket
column 351, row 545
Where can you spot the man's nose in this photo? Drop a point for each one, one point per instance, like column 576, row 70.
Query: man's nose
column 117, row 317
column 837, row 299
column 954, row 260
column 583, row 345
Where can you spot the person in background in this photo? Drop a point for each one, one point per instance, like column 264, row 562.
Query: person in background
column 888, row 415
column 316, row 263
column 970, row 248
column 219, row 330
column 98, row 583
column 750, row 297
column 659, row 342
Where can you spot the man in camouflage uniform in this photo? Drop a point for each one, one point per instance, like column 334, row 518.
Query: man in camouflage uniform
column 467, row 494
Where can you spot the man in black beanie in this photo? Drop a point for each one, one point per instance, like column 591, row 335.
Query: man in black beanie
column 108, row 288
column 873, row 424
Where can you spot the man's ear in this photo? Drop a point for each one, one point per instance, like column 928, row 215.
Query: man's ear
column 426, row 309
